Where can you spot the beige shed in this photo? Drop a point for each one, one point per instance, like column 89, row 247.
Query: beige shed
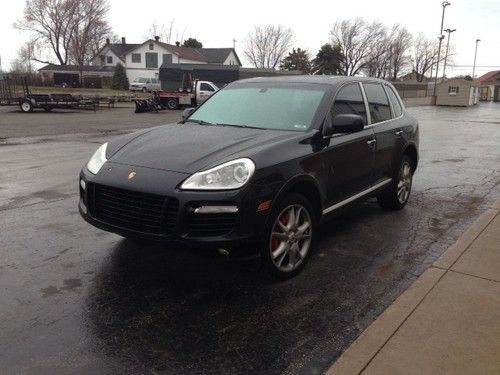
column 457, row 92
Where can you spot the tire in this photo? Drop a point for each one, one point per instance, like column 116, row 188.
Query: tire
column 398, row 192
column 284, row 253
column 172, row 103
column 26, row 106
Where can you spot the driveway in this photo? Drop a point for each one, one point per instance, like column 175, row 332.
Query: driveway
column 75, row 299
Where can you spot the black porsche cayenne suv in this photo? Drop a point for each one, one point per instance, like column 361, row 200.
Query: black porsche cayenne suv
column 257, row 167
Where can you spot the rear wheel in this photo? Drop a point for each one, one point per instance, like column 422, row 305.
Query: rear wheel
column 289, row 237
column 397, row 194
column 172, row 103
column 26, row 106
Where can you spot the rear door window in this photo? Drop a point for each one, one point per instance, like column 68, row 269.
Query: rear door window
column 396, row 104
column 349, row 100
column 378, row 102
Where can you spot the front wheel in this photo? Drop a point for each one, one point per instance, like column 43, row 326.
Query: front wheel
column 397, row 194
column 289, row 237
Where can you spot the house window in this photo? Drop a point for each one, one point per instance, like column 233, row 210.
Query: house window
column 151, row 46
column 151, row 60
column 453, row 90
column 136, row 57
column 109, row 59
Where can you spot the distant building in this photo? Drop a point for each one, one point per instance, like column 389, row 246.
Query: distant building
column 413, row 77
column 457, row 92
column 140, row 60
column 489, row 86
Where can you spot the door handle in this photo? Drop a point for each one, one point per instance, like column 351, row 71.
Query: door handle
column 371, row 142
column 399, row 133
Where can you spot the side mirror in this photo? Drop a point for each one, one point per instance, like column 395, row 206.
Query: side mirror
column 345, row 123
column 187, row 112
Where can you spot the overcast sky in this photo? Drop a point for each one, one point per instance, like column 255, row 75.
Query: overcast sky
column 217, row 23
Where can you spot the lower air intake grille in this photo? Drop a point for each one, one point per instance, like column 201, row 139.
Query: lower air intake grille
column 140, row 212
column 206, row 225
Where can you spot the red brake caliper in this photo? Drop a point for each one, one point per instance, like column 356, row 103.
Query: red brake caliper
column 275, row 242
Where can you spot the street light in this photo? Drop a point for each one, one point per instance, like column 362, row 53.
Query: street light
column 441, row 37
column 475, row 54
column 449, row 31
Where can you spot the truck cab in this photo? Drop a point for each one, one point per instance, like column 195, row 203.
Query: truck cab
column 204, row 90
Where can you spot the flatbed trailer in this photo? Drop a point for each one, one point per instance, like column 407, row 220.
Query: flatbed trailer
column 14, row 94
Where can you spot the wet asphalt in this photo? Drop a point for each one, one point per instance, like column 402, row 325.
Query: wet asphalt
column 77, row 300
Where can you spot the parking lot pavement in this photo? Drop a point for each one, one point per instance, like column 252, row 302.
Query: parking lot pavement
column 14, row 123
column 78, row 300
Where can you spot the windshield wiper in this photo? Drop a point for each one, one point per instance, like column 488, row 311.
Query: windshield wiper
column 239, row 126
column 201, row 122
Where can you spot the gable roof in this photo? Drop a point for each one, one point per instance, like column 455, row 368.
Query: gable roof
column 488, row 76
column 182, row 52
column 76, row 68
column 120, row 49
column 217, row 55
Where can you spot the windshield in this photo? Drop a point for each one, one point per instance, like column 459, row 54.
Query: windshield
column 266, row 107
column 140, row 80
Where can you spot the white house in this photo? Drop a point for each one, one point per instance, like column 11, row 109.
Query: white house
column 145, row 59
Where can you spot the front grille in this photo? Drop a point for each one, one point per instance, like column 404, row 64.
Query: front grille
column 141, row 212
column 207, row 225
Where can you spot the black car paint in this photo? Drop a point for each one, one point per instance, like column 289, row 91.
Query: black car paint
column 327, row 170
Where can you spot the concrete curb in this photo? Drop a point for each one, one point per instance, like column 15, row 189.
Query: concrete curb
column 362, row 351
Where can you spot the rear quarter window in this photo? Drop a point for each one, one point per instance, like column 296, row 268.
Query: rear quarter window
column 396, row 104
column 377, row 102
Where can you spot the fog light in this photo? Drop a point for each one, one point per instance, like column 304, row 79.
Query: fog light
column 83, row 207
column 83, row 184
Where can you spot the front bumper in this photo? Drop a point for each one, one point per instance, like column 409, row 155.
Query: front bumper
column 186, row 217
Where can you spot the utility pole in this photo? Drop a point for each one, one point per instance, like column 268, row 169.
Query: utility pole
column 449, row 31
column 475, row 55
column 441, row 37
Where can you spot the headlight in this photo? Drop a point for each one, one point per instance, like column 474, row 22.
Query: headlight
column 230, row 175
column 98, row 159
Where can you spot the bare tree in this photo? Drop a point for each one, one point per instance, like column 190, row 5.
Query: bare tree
column 266, row 45
column 166, row 32
column 26, row 57
column 51, row 21
column 399, row 44
column 424, row 56
column 358, row 41
column 90, row 30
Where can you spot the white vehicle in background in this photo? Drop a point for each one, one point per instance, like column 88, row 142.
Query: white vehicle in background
column 145, row 84
column 191, row 95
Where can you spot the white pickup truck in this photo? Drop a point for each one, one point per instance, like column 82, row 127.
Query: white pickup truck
column 192, row 96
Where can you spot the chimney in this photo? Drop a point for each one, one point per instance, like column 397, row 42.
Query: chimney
column 157, row 38
column 108, row 41
column 177, row 44
column 123, row 40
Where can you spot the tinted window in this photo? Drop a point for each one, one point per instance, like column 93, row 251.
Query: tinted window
column 136, row 57
column 377, row 102
column 349, row 100
column 263, row 106
column 396, row 104
column 206, row 87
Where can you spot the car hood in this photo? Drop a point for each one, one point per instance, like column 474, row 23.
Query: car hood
column 189, row 148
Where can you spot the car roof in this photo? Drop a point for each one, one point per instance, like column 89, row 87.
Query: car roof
column 319, row 79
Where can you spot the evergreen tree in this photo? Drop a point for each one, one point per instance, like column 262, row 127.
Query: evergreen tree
column 120, row 80
column 297, row 60
column 192, row 43
column 328, row 60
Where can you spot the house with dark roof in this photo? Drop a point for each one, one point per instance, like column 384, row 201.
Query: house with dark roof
column 139, row 59
column 144, row 60
column 489, row 86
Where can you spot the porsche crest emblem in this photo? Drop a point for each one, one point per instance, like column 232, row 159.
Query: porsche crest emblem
column 131, row 175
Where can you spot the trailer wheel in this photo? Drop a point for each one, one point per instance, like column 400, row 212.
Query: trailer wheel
column 172, row 103
column 26, row 106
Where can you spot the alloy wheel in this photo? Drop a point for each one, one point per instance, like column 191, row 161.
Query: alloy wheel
column 404, row 183
column 291, row 237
